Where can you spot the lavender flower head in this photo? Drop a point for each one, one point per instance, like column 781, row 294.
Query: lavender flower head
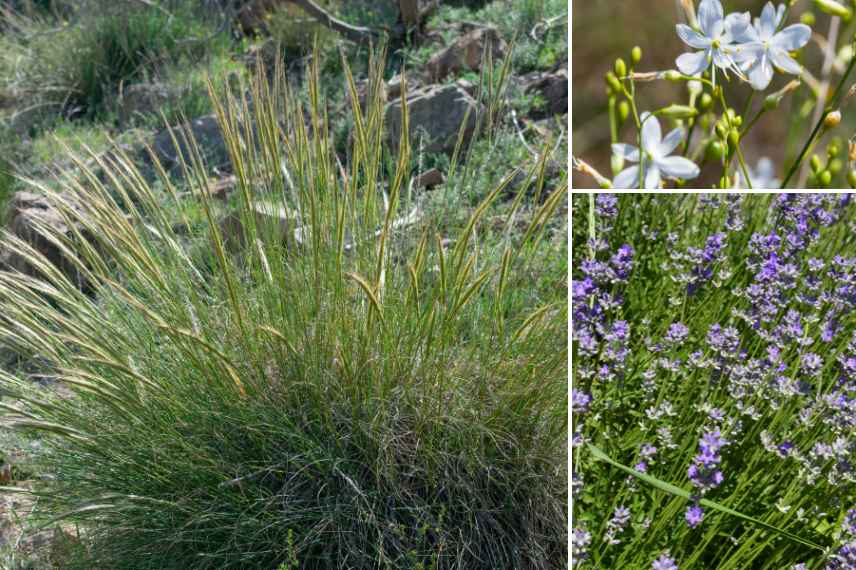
column 664, row 562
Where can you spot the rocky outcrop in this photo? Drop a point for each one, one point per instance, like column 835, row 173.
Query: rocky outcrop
column 27, row 212
column 467, row 53
column 437, row 112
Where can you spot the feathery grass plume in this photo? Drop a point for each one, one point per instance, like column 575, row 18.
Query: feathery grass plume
column 325, row 388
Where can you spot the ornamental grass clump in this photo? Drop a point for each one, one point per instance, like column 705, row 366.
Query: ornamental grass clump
column 714, row 381
column 330, row 388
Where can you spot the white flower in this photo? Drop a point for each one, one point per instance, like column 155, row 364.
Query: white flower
column 767, row 48
column 716, row 40
column 655, row 159
column 763, row 177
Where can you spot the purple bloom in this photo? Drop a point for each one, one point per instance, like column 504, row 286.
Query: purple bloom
column 664, row 562
column 811, row 364
column 622, row 261
column 580, row 541
column 606, row 205
column 844, row 559
column 849, row 524
column 580, row 401
column 694, row 515
column 677, row 333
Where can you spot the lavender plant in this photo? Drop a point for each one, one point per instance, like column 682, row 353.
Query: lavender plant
column 714, row 381
column 706, row 133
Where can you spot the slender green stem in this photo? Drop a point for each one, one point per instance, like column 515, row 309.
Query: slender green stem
column 743, row 167
column 836, row 99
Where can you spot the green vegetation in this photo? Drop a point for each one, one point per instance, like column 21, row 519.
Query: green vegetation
column 329, row 368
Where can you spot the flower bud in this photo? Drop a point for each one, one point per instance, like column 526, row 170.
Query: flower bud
column 833, row 149
column 672, row 75
column 613, row 82
column 733, row 141
column 772, row 100
column 678, row 111
column 730, row 114
column 832, row 119
column 623, row 111
column 807, row 18
column 705, row 102
column 636, row 55
column 815, row 163
column 715, row 151
column 835, row 166
column 851, row 178
column 834, row 8
column 620, row 68
column 721, row 132
column 717, row 91
column 617, row 163
column 825, row 178
column 851, row 151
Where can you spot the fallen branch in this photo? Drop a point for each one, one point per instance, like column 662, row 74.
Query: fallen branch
column 356, row 34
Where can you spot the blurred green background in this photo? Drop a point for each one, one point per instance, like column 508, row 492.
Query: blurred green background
column 603, row 30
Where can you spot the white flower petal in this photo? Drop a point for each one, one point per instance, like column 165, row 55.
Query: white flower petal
column 793, row 37
column 692, row 38
column 783, row 61
column 761, row 73
column 748, row 53
column 626, row 151
column 709, row 12
column 692, row 63
column 652, row 176
column 671, row 142
column 678, row 167
column 767, row 23
column 738, row 28
column 627, row 179
column 780, row 15
column 723, row 60
column 651, row 133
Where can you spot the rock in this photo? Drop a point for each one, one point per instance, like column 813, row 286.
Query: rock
column 437, row 112
column 466, row 53
column 222, row 188
column 467, row 86
column 429, row 178
column 282, row 223
column 553, row 172
column 140, row 99
column 26, row 211
column 363, row 90
column 209, row 139
column 553, row 89
column 24, row 121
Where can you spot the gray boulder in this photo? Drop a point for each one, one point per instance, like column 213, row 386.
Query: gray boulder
column 437, row 112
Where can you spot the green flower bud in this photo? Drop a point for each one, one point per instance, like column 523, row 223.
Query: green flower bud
column 705, row 102
column 833, row 149
column 636, row 55
column 715, row 151
column 717, row 91
column 730, row 115
column 617, row 164
column 704, row 122
column 620, row 68
column 721, row 131
column 835, row 166
column 825, row 178
column 678, row 111
column 738, row 121
column 807, row 18
column 613, row 82
column 733, row 140
column 851, row 178
column 815, row 163
column 672, row 75
column 834, row 8
column 623, row 111
column 771, row 102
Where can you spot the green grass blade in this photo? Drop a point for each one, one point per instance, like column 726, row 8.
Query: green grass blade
column 674, row 490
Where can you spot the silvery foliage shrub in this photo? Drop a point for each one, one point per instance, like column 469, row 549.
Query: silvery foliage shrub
column 722, row 51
